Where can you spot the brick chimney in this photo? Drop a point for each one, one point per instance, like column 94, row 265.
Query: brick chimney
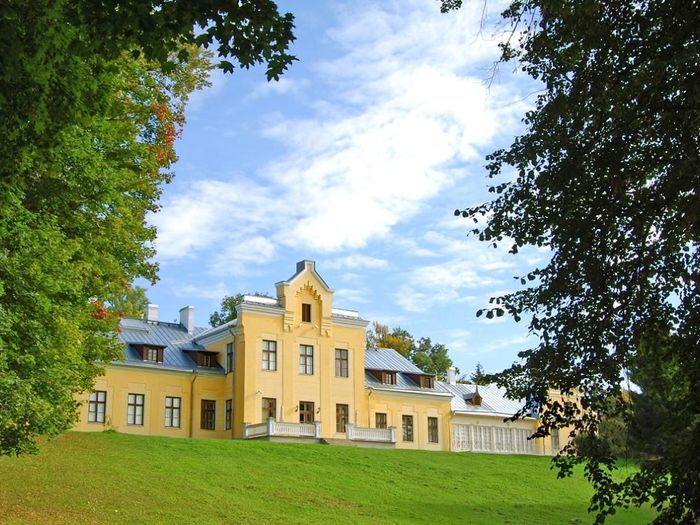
column 152, row 313
column 187, row 318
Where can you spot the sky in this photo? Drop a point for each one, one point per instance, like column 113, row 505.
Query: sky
column 357, row 159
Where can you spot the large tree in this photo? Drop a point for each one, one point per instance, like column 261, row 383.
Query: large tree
column 92, row 97
column 606, row 177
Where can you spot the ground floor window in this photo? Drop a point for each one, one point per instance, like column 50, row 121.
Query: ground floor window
column 555, row 441
column 407, row 427
column 134, row 413
column 306, row 412
column 341, row 417
column 269, row 408
column 229, row 413
column 380, row 420
column 432, row 430
column 172, row 411
column 208, row 420
column 482, row 438
column 97, row 401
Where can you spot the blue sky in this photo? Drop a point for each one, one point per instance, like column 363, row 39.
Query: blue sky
column 356, row 159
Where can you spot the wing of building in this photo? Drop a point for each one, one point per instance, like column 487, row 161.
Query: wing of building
column 293, row 367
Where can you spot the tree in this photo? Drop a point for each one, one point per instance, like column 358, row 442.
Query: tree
column 398, row 339
column 131, row 301
column 228, row 308
column 478, row 376
column 431, row 358
column 606, row 178
column 92, row 98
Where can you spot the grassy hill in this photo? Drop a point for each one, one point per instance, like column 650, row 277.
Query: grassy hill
column 117, row 478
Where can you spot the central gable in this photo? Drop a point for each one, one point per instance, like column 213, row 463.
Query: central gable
column 306, row 299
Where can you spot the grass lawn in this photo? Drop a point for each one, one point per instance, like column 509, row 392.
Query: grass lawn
column 118, row 478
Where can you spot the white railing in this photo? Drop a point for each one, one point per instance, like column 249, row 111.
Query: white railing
column 280, row 428
column 379, row 435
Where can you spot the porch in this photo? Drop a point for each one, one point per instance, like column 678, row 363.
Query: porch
column 272, row 429
column 371, row 435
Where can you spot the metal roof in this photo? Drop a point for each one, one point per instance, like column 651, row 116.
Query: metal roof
column 389, row 359
column 172, row 336
column 403, row 383
column 493, row 400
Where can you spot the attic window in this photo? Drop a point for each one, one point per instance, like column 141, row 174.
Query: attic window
column 427, row 382
column 306, row 313
column 389, row 378
column 473, row 399
column 152, row 354
column 205, row 359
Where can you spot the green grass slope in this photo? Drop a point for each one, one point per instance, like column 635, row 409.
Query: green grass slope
column 117, row 478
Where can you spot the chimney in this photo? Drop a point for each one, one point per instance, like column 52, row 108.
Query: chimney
column 452, row 375
column 187, row 318
column 152, row 313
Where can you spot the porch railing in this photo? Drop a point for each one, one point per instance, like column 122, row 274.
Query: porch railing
column 271, row 428
column 378, row 435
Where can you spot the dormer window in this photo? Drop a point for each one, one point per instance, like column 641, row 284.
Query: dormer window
column 389, row 378
column 305, row 313
column 427, row 382
column 204, row 359
column 151, row 354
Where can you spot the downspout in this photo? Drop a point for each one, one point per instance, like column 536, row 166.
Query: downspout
column 233, row 378
column 194, row 378
column 368, row 411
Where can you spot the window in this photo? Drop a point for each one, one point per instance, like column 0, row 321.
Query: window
column 269, row 408
column 134, row 413
column 172, row 411
column 229, row 413
column 389, row 378
column 432, row 430
column 208, row 415
column 427, row 382
column 229, row 357
column 306, row 412
column 305, row 313
column 269, row 356
column 407, row 427
column 206, row 359
column 341, row 363
column 306, row 359
column 341, row 417
column 151, row 354
column 555, row 440
column 97, row 401
column 380, row 420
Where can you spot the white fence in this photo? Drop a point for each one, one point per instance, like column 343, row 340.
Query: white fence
column 483, row 438
column 379, row 435
column 278, row 428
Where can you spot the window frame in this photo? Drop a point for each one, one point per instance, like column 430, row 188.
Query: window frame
column 306, row 408
column 433, row 432
column 135, row 401
column 407, row 433
column 228, row 414
column 342, row 362
column 94, row 406
column 380, row 420
column 269, row 355
column 207, row 414
column 271, row 408
column 306, row 360
column 342, row 417
column 305, row 312
column 173, row 411
column 388, row 378
column 229, row 358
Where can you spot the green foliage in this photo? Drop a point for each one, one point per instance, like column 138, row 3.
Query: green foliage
column 478, row 376
column 228, row 308
column 92, row 98
column 606, row 176
column 82, row 476
column 130, row 302
column 429, row 357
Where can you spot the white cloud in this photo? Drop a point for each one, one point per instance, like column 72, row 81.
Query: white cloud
column 284, row 86
column 211, row 291
column 401, row 113
column 351, row 295
column 354, row 262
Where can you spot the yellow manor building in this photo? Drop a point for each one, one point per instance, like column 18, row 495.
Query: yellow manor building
column 293, row 368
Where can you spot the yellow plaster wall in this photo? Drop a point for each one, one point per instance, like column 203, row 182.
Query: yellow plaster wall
column 155, row 384
column 396, row 404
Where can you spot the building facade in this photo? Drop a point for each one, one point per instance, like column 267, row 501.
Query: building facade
column 292, row 367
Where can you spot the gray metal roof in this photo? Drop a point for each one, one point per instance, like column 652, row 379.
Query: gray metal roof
column 172, row 336
column 493, row 400
column 389, row 359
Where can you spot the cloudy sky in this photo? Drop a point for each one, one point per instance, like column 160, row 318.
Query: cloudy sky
column 357, row 159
